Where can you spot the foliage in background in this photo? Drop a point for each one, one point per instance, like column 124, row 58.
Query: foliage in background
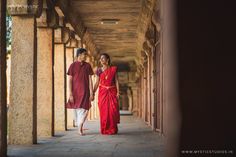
column 9, row 32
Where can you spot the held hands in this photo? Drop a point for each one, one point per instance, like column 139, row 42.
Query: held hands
column 91, row 98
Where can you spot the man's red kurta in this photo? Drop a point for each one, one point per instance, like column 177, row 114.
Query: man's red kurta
column 80, row 72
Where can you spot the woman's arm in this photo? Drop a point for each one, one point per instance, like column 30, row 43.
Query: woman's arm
column 91, row 88
column 117, row 86
column 96, row 84
column 90, row 85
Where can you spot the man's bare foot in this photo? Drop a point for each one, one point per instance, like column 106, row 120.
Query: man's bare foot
column 80, row 133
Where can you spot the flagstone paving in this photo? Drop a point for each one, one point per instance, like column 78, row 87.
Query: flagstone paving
column 135, row 139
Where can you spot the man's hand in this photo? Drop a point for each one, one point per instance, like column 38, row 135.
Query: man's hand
column 71, row 99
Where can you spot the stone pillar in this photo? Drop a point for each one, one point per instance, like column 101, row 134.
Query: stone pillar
column 130, row 100
column 22, row 111
column 3, row 88
column 70, row 46
column 59, row 86
column 144, row 85
column 124, row 99
column 149, row 102
column 69, row 61
column 144, row 95
column 91, row 111
column 44, row 78
column 61, row 37
column 135, row 110
column 23, row 90
column 94, row 108
column 139, row 95
column 95, row 102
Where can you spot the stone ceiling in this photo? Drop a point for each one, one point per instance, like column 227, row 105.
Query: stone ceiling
column 118, row 40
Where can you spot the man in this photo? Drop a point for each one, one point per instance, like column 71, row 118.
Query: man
column 80, row 87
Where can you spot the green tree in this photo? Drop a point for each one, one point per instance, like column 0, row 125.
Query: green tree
column 9, row 29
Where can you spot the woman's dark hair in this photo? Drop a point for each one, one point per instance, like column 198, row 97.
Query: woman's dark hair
column 107, row 57
column 80, row 51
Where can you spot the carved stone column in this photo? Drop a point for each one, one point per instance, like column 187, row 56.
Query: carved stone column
column 3, row 88
column 124, row 98
column 135, row 98
column 45, row 71
column 23, row 97
column 61, row 37
column 69, row 60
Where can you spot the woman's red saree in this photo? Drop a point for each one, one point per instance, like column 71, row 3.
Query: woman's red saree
column 108, row 102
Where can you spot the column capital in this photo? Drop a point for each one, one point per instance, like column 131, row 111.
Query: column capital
column 48, row 18
column 87, row 39
column 73, row 43
column 70, row 26
column 150, row 35
column 144, row 57
column 62, row 35
column 147, row 48
column 24, row 7
column 156, row 17
column 77, row 37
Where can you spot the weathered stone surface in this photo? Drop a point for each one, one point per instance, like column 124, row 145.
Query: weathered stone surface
column 61, row 35
column 44, row 82
column 94, row 111
column 69, row 61
column 3, row 88
column 49, row 17
column 144, row 22
column 135, row 139
column 23, row 7
column 130, row 99
column 22, row 109
column 59, row 86
column 117, row 39
column 72, row 43
column 42, row 20
column 133, row 93
column 124, row 100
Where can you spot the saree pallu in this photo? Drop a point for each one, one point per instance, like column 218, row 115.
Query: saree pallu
column 108, row 102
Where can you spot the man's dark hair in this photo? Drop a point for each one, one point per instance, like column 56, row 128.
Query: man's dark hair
column 80, row 51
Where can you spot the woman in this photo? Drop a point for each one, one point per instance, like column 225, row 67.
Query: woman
column 108, row 96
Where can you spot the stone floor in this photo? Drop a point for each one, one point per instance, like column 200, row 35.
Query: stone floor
column 135, row 139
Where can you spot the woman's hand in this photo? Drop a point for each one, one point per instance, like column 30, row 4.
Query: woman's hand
column 118, row 95
column 71, row 99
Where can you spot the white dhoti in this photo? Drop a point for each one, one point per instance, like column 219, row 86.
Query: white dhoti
column 80, row 115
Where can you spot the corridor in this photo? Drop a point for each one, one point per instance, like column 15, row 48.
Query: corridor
column 45, row 35
column 176, row 75
column 135, row 139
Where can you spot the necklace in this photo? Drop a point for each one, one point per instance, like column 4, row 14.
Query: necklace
column 106, row 75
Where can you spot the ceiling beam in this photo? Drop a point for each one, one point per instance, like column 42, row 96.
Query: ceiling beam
column 74, row 19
